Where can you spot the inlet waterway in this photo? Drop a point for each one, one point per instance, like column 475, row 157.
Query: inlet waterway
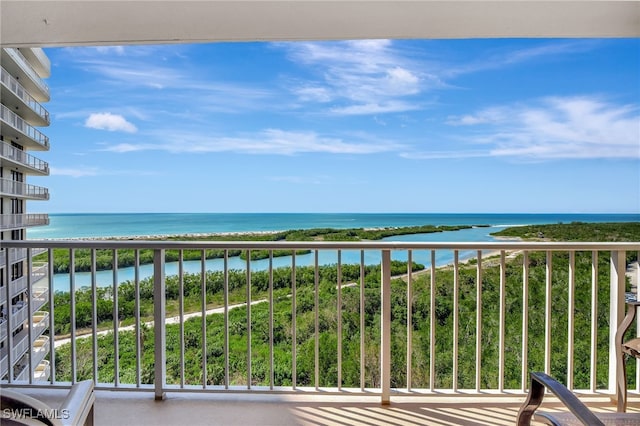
column 325, row 257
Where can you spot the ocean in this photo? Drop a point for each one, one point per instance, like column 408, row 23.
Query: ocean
column 87, row 225
column 142, row 224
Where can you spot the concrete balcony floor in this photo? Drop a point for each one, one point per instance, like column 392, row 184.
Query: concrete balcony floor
column 180, row 408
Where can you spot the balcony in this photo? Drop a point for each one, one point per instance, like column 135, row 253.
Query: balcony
column 42, row 371
column 488, row 328
column 21, row 158
column 16, row 255
column 15, row 62
column 15, row 127
column 14, row 93
column 17, row 221
column 38, row 60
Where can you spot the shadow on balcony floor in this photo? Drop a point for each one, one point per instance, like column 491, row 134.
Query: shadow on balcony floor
column 139, row 408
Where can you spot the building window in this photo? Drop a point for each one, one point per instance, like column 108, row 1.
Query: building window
column 17, row 270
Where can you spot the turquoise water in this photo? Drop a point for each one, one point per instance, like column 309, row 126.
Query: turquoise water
column 102, row 225
column 127, row 224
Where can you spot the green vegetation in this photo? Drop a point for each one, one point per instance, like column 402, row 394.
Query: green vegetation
column 104, row 258
column 576, row 231
column 350, row 319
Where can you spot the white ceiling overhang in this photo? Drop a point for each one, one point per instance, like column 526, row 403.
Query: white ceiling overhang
column 109, row 22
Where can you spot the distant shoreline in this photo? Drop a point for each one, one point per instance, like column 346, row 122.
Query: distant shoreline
column 165, row 225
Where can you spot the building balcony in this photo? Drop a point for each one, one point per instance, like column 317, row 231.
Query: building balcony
column 17, row 221
column 42, row 371
column 22, row 190
column 38, row 60
column 27, row 162
column 14, row 94
column 15, row 62
column 16, row 255
column 315, row 338
column 16, row 128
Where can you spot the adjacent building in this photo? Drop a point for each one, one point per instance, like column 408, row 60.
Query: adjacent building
column 23, row 281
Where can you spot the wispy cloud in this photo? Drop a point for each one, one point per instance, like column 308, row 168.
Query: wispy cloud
column 87, row 171
column 553, row 128
column 269, row 141
column 509, row 57
column 74, row 172
column 359, row 77
column 110, row 122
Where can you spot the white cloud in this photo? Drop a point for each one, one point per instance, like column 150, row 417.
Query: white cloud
column 374, row 108
column 559, row 127
column 74, row 172
column 110, row 122
column 366, row 75
column 269, row 141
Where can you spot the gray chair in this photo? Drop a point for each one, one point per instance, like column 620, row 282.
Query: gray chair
column 578, row 413
column 77, row 409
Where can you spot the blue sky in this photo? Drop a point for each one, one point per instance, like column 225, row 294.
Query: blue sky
column 521, row 125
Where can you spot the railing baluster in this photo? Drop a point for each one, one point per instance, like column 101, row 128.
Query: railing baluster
column 203, row 289
column 181, row 313
column 570, row 319
column 9, row 316
column 524, row 380
column 501, row 315
column 226, row 318
column 248, row 319
column 432, row 324
column 456, row 285
column 478, row 321
column 316, row 303
column 116, row 322
column 409, row 317
column 72, row 311
column 294, row 334
column 139, row 342
column 362, row 322
column 594, row 319
column 339, row 319
column 271, row 365
column 52, row 330
column 30, row 309
column 385, row 325
column 617, row 287
column 159, row 314
column 547, row 314
column 94, row 316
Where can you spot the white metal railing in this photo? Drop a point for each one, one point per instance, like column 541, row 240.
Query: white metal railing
column 21, row 189
column 20, row 345
column 24, row 64
column 3, row 327
column 18, row 123
column 16, row 255
column 19, row 156
column 17, row 89
column 40, row 349
column 42, row 372
column 13, row 221
column 40, row 324
column 491, row 318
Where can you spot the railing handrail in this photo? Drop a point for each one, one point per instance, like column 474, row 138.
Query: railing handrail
column 495, row 283
column 27, row 190
column 8, row 151
column 19, row 123
column 12, row 84
column 18, row 57
column 320, row 245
